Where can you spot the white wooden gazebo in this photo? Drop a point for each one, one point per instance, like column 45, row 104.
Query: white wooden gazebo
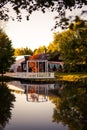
column 42, row 69
column 40, row 73
column 37, row 64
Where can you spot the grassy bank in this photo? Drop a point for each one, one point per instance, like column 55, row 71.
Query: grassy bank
column 70, row 76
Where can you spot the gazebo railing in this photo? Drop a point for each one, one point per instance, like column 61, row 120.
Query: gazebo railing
column 31, row 74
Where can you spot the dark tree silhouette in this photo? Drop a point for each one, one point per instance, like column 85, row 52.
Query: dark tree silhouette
column 6, row 104
column 6, row 53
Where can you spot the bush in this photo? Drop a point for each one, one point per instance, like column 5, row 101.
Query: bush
column 75, row 68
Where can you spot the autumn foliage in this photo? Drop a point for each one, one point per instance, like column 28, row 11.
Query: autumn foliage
column 33, row 65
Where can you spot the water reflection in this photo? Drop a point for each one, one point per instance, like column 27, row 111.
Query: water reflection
column 71, row 108
column 60, row 106
column 36, row 93
column 6, row 104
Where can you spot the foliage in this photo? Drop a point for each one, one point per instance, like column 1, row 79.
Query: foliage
column 59, row 6
column 32, row 65
column 6, row 53
column 72, row 45
column 23, row 51
column 36, row 66
column 68, row 47
column 41, row 49
column 52, row 47
column 53, row 50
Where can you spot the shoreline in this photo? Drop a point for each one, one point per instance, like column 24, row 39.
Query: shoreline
column 70, row 77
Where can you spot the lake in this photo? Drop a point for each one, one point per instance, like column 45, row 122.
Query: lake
column 60, row 106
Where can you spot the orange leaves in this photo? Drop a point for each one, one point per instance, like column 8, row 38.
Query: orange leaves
column 33, row 65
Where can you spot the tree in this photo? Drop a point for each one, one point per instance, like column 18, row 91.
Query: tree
column 41, row 49
column 6, row 53
column 68, row 47
column 32, row 65
column 52, row 47
column 23, row 51
column 72, row 44
column 59, row 6
column 80, row 27
column 53, row 51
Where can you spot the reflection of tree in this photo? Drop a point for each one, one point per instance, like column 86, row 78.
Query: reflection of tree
column 71, row 109
column 6, row 104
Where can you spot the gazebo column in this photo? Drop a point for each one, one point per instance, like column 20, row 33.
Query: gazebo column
column 27, row 67
column 38, row 68
column 47, row 66
column 35, row 68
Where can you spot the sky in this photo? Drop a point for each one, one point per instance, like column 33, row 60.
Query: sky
column 33, row 33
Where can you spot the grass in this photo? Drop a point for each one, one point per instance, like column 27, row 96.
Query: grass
column 70, row 76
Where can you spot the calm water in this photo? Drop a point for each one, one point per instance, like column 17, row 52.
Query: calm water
column 46, row 107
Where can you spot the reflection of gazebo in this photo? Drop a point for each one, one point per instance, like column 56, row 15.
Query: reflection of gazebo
column 36, row 93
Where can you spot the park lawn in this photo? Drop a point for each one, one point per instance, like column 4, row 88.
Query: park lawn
column 70, row 76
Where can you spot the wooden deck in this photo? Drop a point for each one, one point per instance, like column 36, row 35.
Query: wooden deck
column 30, row 75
